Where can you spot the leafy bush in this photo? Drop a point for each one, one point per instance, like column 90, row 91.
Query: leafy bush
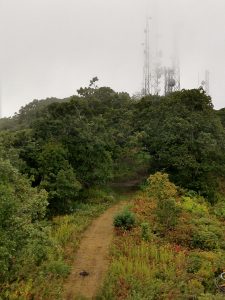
column 193, row 205
column 192, row 152
column 195, row 287
column 22, row 230
column 145, row 231
column 207, row 234
column 179, row 264
column 159, row 187
column 167, row 213
column 58, row 268
column 219, row 209
column 164, row 192
column 205, row 239
column 124, row 220
column 194, row 263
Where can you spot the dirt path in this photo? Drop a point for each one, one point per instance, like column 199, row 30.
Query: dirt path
column 92, row 257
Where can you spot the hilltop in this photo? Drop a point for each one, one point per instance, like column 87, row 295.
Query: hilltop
column 59, row 160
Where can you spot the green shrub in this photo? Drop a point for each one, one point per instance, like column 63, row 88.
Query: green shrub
column 207, row 234
column 145, row 231
column 22, row 209
column 124, row 219
column 195, row 288
column 159, row 187
column 167, row 213
column 58, row 268
column 204, row 239
column 191, row 194
column 164, row 192
column 194, row 263
column 219, row 209
column 192, row 205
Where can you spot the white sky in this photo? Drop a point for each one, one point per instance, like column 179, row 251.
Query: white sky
column 49, row 48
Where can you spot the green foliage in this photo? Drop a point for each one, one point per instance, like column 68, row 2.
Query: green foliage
column 58, row 178
column 78, row 142
column 144, row 271
column 103, row 135
column 44, row 263
column 124, row 220
column 167, row 213
column 219, row 209
column 207, row 234
column 22, row 210
column 185, row 138
column 52, row 159
column 58, row 268
column 145, row 231
column 221, row 114
column 182, row 263
column 193, row 205
column 159, row 187
column 167, row 210
column 8, row 150
column 7, row 123
column 194, row 263
column 67, row 186
column 74, row 146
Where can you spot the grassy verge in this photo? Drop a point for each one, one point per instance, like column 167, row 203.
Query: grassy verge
column 45, row 281
column 155, row 261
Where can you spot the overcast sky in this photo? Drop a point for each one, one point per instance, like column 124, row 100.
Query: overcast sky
column 52, row 47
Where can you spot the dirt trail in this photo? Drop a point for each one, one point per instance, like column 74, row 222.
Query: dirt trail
column 92, row 256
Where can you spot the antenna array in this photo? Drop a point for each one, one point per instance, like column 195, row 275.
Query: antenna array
column 147, row 69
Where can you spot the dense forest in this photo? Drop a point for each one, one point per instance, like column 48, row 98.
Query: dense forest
column 56, row 155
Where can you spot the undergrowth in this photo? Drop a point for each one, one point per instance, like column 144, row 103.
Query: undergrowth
column 124, row 220
column 157, row 261
column 45, row 281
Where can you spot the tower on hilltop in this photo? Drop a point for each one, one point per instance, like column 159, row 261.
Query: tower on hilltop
column 172, row 74
column 146, row 90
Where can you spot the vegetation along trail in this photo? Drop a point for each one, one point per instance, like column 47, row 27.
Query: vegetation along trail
column 92, row 257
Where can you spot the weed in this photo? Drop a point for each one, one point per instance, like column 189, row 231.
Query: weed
column 124, row 220
column 145, row 231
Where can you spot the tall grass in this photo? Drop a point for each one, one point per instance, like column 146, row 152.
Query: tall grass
column 143, row 271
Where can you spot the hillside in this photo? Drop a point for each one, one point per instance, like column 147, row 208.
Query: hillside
column 63, row 162
column 175, row 249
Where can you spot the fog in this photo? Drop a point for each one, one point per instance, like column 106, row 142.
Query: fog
column 53, row 47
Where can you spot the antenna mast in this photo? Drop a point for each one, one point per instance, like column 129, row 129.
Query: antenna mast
column 176, row 69
column 172, row 74
column 157, row 58
column 146, row 69
column 207, row 82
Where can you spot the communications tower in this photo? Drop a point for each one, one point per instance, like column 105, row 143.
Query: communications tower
column 205, row 83
column 172, row 75
column 147, row 61
column 157, row 73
